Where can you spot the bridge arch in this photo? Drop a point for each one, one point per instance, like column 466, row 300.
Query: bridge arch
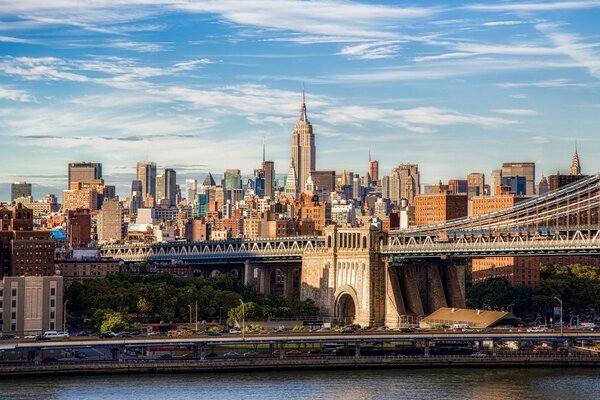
column 346, row 305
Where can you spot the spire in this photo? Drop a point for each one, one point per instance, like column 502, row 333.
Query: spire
column 303, row 116
column 263, row 150
column 575, row 166
column 369, row 155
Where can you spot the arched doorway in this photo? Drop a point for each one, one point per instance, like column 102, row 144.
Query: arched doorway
column 345, row 309
column 214, row 273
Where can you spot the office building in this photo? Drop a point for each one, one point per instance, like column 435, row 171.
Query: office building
column 146, row 173
column 475, row 184
column 437, row 208
column 524, row 169
column 110, row 222
column 20, row 189
column 405, row 183
column 269, row 175
column 24, row 251
column 495, row 181
column 373, row 172
column 458, row 186
column 515, row 185
column 166, row 187
column 191, row 190
column 86, row 173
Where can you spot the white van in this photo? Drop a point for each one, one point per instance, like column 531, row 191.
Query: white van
column 56, row 335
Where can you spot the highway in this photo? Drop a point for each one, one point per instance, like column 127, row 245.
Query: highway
column 237, row 339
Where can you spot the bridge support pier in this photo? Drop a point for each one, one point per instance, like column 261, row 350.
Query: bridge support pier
column 264, row 278
column 410, row 288
column 436, row 298
column 288, row 286
column 455, row 285
column 248, row 273
column 394, row 303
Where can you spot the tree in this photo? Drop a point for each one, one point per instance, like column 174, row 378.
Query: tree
column 114, row 322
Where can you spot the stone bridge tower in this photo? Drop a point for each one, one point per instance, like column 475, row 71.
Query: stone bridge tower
column 346, row 278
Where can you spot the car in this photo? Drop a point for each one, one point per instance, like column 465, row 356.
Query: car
column 8, row 336
column 166, row 355
column 123, row 335
column 42, row 337
column 293, row 352
column 478, row 355
column 79, row 354
column 49, row 360
column 211, row 355
column 130, row 353
column 213, row 333
column 108, row 335
column 537, row 329
column 250, row 354
column 233, row 330
column 406, row 330
column 231, row 354
column 29, row 337
column 346, row 330
column 152, row 333
column 56, row 335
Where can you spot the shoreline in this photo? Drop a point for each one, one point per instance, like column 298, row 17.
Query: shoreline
column 257, row 365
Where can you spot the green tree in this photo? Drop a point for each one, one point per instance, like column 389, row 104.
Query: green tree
column 114, row 322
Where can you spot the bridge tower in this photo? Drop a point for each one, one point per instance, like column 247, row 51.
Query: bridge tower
column 346, row 278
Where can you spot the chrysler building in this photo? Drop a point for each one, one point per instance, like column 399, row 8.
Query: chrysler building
column 303, row 149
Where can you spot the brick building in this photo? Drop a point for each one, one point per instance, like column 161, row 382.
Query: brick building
column 438, row 208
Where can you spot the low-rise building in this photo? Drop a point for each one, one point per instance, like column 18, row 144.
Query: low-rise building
column 31, row 304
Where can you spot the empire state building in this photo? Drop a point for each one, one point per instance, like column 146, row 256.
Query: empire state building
column 303, row 149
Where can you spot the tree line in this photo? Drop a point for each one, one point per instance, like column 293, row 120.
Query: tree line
column 578, row 286
column 166, row 298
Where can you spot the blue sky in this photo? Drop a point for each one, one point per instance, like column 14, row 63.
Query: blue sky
column 456, row 87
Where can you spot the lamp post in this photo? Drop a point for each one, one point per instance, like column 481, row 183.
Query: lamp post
column 65, row 316
column 510, row 307
column 561, row 315
column 196, row 315
column 243, row 320
column 190, row 308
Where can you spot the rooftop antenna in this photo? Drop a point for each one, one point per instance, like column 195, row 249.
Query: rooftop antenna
column 263, row 149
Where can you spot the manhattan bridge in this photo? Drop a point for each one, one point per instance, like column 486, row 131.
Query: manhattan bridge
column 368, row 277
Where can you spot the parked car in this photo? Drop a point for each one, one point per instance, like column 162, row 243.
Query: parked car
column 8, row 336
column 108, row 335
column 41, row 337
column 56, row 335
column 231, row 354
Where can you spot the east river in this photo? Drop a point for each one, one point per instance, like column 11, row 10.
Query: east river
column 455, row 383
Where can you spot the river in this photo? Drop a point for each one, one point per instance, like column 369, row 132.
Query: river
column 449, row 383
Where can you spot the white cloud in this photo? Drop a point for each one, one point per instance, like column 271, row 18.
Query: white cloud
column 546, row 6
column 502, row 23
column 444, row 56
column 15, row 95
column 522, row 112
column 552, row 83
column 191, row 64
column 135, row 46
column 371, row 51
column 571, row 45
column 10, row 39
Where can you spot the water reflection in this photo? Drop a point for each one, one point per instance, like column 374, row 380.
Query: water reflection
column 457, row 383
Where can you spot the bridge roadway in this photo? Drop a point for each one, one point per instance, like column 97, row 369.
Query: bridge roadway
column 231, row 340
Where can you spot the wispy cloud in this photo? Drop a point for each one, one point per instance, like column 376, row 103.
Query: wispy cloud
column 15, row 95
column 135, row 46
column 521, row 112
column 10, row 39
column 371, row 51
column 502, row 23
column 546, row 6
column 571, row 45
column 551, row 83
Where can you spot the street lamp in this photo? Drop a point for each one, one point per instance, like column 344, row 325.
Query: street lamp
column 243, row 319
column 510, row 307
column 190, row 308
column 65, row 316
column 561, row 315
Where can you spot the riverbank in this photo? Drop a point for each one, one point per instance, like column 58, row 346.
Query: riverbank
column 300, row 363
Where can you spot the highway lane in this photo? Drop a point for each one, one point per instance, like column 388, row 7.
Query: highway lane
column 231, row 339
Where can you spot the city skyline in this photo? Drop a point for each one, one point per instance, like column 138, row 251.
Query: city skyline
column 453, row 88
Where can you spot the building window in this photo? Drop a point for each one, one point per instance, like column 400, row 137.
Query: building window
column 51, row 326
column 14, row 292
column 13, row 315
column 13, row 327
column 14, row 304
column 52, row 291
column 52, row 303
column 51, row 314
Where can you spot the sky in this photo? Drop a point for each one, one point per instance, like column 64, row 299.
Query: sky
column 455, row 86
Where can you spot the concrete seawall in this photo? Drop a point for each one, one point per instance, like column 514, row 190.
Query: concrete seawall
column 267, row 364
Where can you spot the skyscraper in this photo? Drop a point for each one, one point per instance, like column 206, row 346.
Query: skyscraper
column 496, row 180
column 374, row 171
column 405, row 183
column 191, row 189
column 269, row 175
column 146, row 173
column 476, row 184
column 166, row 186
column 303, row 149
column 526, row 169
column 86, row 173
column 575, row 166
column 19, row 189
